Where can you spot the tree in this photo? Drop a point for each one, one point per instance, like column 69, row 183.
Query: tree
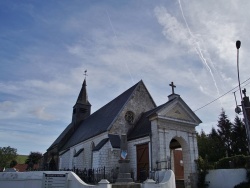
column 7, row 154
column 225, row 129
column 34, row 157
column 239, row 137
column 210, row 146
column 215, row 146
column 13, row 163
column 202, row 142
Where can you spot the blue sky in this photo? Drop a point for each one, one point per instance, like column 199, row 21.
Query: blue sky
column 46, row 47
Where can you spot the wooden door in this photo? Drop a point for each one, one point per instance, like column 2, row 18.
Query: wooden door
column 142, row 162
column 178, row 167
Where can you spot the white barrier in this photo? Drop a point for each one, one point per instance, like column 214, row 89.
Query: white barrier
column 225, row 178
column 166, row 180
column 37, row 179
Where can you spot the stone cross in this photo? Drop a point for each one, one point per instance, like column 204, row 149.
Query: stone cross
column 173, row 86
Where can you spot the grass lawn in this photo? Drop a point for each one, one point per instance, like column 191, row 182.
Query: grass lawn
column 21, row 159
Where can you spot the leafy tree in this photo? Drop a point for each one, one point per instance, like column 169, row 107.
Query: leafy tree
column 13, row 163
column 225, row 129
column 239, row 137
column 34, row 157
column 7, row 154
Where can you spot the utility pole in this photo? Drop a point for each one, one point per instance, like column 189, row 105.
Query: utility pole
column 245, row 104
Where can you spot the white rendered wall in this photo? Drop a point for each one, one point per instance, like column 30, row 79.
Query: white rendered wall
column 35, row 180
column 106, row 157
column 84, row 160
column 163, row 132
column 225, row 178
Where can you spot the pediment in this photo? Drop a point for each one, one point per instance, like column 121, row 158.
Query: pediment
column 179, row 111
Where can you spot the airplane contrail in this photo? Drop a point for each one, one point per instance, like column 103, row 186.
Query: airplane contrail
column 116, row 39
column 198, row 50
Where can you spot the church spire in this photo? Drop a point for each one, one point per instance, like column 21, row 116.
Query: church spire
column 83, row 96
column 82, row 108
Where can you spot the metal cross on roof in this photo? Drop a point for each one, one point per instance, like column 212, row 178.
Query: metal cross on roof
column 173, row 86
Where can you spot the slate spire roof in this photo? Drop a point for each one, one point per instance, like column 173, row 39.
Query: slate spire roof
column 83, row 96
column 100, row 121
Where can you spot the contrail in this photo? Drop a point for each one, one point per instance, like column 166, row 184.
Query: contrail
column 198, row 49
column 111, row 25
column 116, row 39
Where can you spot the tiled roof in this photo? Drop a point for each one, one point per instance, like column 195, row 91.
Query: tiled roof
column 23, row 167
column 100, row 121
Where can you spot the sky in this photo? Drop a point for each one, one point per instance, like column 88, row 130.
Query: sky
column 47, row 45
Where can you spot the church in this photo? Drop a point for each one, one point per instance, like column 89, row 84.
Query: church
column 158, row 137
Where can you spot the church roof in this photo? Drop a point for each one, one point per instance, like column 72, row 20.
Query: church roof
column 100, row 121
column 61, row 136
column 114, row 141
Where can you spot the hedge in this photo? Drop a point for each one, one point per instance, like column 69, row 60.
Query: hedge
column 238, row 161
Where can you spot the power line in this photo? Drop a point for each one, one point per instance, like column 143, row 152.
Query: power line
column 223, row 95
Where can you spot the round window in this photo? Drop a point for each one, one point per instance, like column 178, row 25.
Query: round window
column 129, row 117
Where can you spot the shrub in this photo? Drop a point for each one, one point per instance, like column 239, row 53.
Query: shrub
column 238, row 161
column 202, row 167
column 242, row 185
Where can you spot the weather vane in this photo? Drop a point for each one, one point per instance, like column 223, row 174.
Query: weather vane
column 85, row 73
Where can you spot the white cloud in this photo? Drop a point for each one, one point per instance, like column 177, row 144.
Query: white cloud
column 40, row 113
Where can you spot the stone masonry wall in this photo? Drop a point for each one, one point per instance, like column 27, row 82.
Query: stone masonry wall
column 139, row 102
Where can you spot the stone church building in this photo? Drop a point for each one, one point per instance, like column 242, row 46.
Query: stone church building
column 158, row 137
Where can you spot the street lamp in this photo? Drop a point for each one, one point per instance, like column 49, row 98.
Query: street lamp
column 238, row 43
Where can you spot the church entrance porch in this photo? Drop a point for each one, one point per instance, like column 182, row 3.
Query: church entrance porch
column 177, row 162
column 142, row 162
column 177, row 159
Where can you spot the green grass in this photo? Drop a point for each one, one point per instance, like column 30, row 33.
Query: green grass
column 21, row 159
